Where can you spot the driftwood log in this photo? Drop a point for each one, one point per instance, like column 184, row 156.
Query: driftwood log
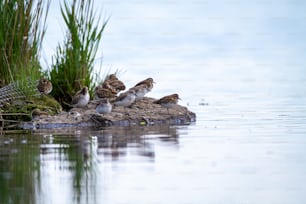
column 141, row 113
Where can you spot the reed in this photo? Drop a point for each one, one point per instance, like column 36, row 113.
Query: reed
column 22, row 30
column 73, row 64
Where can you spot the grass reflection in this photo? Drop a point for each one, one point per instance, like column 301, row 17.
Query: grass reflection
column 19, row 169
column 68, row 166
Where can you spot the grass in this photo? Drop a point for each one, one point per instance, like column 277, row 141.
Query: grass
column 22, row 30
column 73, row 64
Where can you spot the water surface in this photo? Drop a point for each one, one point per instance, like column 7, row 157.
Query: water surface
column 246, row 148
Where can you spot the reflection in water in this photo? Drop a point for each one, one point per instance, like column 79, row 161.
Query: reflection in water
column 44, row 167
column 19, row 168
column 115, row 143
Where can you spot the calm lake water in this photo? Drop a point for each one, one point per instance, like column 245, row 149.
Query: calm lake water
column 239, row 65
column 248, row 145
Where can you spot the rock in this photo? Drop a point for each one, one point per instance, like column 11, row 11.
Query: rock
column 141, row 113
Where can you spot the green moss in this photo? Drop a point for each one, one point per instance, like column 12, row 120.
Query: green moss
column 46, row 103
column 22, row 110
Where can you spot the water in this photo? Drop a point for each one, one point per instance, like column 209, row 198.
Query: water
column 246, row 147
column 240, row 66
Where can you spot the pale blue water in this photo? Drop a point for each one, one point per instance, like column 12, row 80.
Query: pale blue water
column 246, row 147
column 240, row 66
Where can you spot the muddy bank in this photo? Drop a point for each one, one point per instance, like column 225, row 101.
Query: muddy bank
column 141, row 113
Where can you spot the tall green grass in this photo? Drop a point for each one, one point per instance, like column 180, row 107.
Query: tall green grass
column 73, row 64
column 22, row 30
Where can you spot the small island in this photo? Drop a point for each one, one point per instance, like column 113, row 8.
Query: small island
column 141, row 113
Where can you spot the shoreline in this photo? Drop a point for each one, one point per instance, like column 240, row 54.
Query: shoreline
column 141, row 113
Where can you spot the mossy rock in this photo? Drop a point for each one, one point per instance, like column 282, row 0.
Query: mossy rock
column 26, row 109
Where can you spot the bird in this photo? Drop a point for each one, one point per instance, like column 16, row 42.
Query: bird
column 81, row 98
column 112, row 77
column 142, row 88
column 114, row 84
column 125, row 99
column 101, row 93
column 44, row 86
column 36, row 113
column 140, row 91
column 168, row 101
column 104, row 106
column 149, row 82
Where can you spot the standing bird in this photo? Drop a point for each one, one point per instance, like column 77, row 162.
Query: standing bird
column 81, row 98
column 104, row 106
column 44, row 86
column 149, row 82
column 168, row 101
column 125, row 99
column 142, row 88
column 140, row 91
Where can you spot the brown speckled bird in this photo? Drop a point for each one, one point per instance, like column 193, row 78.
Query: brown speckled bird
column 44, row 86
column 168, row 101
column 81, row 98
column 140, row 91
column 101, row 93
column 113, row 83
column 148, row 82
column 112, row 77
column 125, row 99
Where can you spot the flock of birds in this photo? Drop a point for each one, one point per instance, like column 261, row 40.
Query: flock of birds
column 106, row 94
